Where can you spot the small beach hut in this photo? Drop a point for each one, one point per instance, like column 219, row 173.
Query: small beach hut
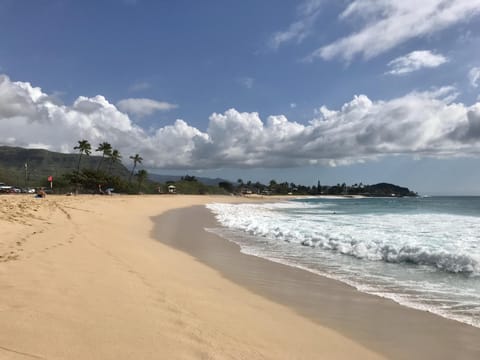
column 172, row 189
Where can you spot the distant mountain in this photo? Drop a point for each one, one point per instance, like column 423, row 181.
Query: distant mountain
column 385, row 189
column 43, row 163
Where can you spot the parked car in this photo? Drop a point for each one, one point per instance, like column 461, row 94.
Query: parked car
column 28, row 191
column 5, row 188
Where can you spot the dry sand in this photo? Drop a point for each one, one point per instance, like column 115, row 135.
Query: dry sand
column 82, row 278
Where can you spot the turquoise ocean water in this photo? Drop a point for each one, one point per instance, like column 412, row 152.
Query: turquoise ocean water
column 420, row 252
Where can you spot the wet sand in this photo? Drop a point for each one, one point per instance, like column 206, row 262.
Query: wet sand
column 395, row 331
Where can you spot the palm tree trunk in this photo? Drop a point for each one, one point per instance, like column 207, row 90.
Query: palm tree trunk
column 131, row 174
column 78, row 172
column 100, row 162
column 78, row 165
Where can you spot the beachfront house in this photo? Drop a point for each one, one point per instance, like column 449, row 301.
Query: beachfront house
column 172, row 189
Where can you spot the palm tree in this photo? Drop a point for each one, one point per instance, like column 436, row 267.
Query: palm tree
column 83, row 147
column 141, row 177
column 114, row 158
column 106, row 150
column 137, row 159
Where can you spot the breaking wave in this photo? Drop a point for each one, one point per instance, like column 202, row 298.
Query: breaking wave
column 445, row 242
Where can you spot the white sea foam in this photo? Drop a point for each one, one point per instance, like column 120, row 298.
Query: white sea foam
column 406, row 292
column 445, row 242
column 420, row 259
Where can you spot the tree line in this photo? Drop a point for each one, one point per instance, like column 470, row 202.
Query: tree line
column 106, row 173
column 102, row 178
column 286, row 188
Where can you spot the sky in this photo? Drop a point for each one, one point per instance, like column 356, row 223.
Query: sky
column 300, row 91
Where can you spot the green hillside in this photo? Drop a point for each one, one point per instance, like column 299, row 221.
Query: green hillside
column 43, row 163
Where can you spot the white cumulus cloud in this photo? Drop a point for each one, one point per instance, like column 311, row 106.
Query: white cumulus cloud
column 474, row 76
column 414, row 61
column 426, row 123
column 143, row 107
column 385, row 24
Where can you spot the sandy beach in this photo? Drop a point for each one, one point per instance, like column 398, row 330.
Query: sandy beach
column 132, row 277
column 83, row 278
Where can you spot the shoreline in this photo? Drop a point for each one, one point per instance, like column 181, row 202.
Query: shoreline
column 337, row 240
column 362, row 317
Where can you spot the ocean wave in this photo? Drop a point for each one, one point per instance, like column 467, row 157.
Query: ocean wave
column 416, row 240
column 406, row 254
column 374, row 251
column 424, row 260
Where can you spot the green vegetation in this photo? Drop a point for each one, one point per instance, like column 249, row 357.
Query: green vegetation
column 84, row 173
column 83, row 147
column 106, row 150
column 30, row 168
column 285, row 188
column 115, row 158
column 43, row 163
column 81, row 172
column 190, row 185
column 137, row 159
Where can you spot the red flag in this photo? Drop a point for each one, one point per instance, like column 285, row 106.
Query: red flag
column 50, row 178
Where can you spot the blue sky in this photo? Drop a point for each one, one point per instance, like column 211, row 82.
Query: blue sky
column 354, row 91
